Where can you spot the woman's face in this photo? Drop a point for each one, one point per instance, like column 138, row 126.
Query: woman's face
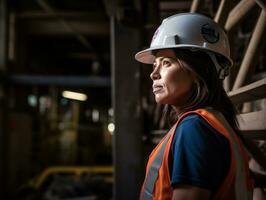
column 172, row 83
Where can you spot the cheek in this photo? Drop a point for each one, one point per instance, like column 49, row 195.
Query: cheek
column 180, row 84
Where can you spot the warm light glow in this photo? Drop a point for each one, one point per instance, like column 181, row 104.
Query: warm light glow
column 95, row 115
column 111, row 112
column 111, row 127
column 74, row 95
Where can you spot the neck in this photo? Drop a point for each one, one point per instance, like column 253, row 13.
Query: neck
column 178, row 110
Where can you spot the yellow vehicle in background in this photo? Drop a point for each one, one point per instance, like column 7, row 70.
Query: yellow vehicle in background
column 69, row 183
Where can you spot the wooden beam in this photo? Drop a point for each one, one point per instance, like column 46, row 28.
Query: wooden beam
column 252, row 121
column 256, row 153
column 238, row 13
column 85, row 56
column 29, row 15
column 253, row 91
column 261, row 3
column 88, row 81
column 174, row 5
column 44, row 5
column 249, row 61
column 111, row 7
column 195, row 6
column 254, row 134
column 260, row 179
column 222, row 12
column 51, row 28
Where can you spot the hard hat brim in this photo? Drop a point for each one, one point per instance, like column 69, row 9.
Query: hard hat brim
column 147, row 57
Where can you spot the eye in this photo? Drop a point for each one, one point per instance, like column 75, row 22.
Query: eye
column 166, row 62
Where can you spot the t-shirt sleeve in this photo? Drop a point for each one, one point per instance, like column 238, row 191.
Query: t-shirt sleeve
column 200, row 155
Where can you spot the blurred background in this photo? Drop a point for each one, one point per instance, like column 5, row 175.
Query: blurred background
column 77, row 115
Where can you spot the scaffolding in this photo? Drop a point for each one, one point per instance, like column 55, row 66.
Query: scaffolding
column 244, row 91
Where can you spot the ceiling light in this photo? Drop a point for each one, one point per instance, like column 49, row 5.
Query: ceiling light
column 74, row 95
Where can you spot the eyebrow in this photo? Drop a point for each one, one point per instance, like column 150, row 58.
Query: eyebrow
column 161, row 58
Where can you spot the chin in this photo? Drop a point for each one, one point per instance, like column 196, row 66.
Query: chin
column 161, row 100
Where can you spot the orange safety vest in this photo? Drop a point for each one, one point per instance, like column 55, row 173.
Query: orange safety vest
column 237, row 184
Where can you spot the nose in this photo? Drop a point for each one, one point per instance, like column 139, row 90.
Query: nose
column 155, row 74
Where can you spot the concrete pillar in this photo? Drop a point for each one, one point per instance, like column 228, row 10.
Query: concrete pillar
column 127, row 143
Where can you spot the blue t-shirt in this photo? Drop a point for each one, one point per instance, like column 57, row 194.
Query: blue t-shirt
column 200, row 156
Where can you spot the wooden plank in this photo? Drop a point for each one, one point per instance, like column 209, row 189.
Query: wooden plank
column 254, row 134
column 253, row 91
column 252, row 120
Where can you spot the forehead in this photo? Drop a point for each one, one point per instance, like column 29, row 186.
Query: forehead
column 165, row 53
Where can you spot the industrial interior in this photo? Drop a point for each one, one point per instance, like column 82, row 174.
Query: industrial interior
column 77, row 114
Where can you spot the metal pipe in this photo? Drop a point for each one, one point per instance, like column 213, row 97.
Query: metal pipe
column 238, row 12
column 195, row 6
column 251, row 51
column 86, row 81
column 222, row 12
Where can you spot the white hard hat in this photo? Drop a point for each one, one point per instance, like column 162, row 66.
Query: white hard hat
column 191, row 31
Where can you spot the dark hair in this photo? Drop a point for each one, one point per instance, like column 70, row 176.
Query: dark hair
column 208, row 89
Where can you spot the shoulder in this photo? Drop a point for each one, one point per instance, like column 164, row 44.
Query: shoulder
column 195, row 130
column 193, row 120
column 194, row 124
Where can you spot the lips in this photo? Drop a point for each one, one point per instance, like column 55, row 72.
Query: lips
column 157, row 88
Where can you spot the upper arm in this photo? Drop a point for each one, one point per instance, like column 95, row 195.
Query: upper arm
column 201, row 157
column 187, row 192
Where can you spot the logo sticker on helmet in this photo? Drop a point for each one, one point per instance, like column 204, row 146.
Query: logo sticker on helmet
column 209, row 33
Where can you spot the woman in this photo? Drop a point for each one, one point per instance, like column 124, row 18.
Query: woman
column 202, row 156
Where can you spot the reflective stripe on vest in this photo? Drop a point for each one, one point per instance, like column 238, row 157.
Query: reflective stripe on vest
column 240, row 184
column 154, row 172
